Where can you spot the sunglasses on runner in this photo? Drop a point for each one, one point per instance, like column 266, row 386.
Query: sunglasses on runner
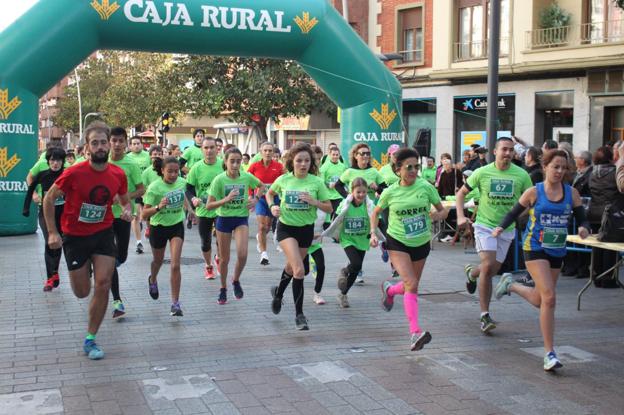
column 410, row 167
column 364, row 154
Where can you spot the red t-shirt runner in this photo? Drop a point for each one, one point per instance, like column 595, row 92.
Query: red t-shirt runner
column 89, row 194
column 266, row 174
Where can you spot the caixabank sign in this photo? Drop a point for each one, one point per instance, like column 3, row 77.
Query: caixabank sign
column 310, row 32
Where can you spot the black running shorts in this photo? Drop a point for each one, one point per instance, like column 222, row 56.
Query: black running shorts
column 303, row 234
column 79, row 249
column 160, row 235
column 416, row 253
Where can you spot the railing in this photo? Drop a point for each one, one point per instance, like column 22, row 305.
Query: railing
column 412, row 56
column 603, row 32
column 477, row 50
column 575, row 35
column 548, row 38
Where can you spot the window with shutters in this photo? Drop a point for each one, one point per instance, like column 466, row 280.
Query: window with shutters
column 411, row 34
column 472, row 29
column 604, row 22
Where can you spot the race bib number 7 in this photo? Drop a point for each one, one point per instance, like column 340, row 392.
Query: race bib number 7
column 91, row 213
column 414, row 226
column 554, row 238
column 501, row 188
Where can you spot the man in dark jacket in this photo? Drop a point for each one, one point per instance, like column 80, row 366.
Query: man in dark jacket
column 584, row 169
column 475, row 161
column 533, row 164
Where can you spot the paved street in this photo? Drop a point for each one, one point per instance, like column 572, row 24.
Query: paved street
column 240, row 358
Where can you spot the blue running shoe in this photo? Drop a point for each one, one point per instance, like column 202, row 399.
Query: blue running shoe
column 92, row 350
column 384, row 252
column 551, row 362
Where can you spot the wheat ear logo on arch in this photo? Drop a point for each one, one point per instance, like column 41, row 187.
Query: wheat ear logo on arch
column 6, row 106
column 385, row 117
column 306, row 24
column 7, row 164
column 105, row 8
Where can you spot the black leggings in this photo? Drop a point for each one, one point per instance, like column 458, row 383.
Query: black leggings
column 122, row 229
column 52, row 257
column 356, row 259
column 205, row 233
column 319, row 258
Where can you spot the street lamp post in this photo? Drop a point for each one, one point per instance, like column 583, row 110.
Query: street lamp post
column 84, row 124
column 79, row 104
column 493, row 46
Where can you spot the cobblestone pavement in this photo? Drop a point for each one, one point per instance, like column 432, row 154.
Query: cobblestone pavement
column 240, row 358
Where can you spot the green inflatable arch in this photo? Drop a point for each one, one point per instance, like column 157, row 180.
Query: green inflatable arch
column 54, row 36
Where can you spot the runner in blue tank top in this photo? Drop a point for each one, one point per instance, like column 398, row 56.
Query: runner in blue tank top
column 550, row 204
column 547, row 229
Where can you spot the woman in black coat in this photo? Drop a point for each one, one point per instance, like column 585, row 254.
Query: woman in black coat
column 603, row 189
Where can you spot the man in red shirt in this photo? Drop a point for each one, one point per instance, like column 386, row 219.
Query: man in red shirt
column 267, row 170
column 89, row 189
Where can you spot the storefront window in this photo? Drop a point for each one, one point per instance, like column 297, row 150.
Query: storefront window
column 470, row 119
column 420, row 114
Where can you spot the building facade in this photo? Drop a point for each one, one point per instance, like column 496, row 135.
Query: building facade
column 48, row 108
column 562, row 82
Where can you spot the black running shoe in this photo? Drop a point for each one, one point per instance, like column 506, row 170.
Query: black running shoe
column 418, row 340
column 153, row 288
column 301, row 322
column 276, row 303
column 238, row 290
column 222, row 296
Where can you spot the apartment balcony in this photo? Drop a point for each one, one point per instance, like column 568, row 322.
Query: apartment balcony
column 469, row 51
column 606, row 32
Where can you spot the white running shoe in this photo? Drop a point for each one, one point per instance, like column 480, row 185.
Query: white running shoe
column 264, row 258
column 318, row 300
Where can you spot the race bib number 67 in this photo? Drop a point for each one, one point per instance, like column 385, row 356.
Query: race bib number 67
column 501, row 188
